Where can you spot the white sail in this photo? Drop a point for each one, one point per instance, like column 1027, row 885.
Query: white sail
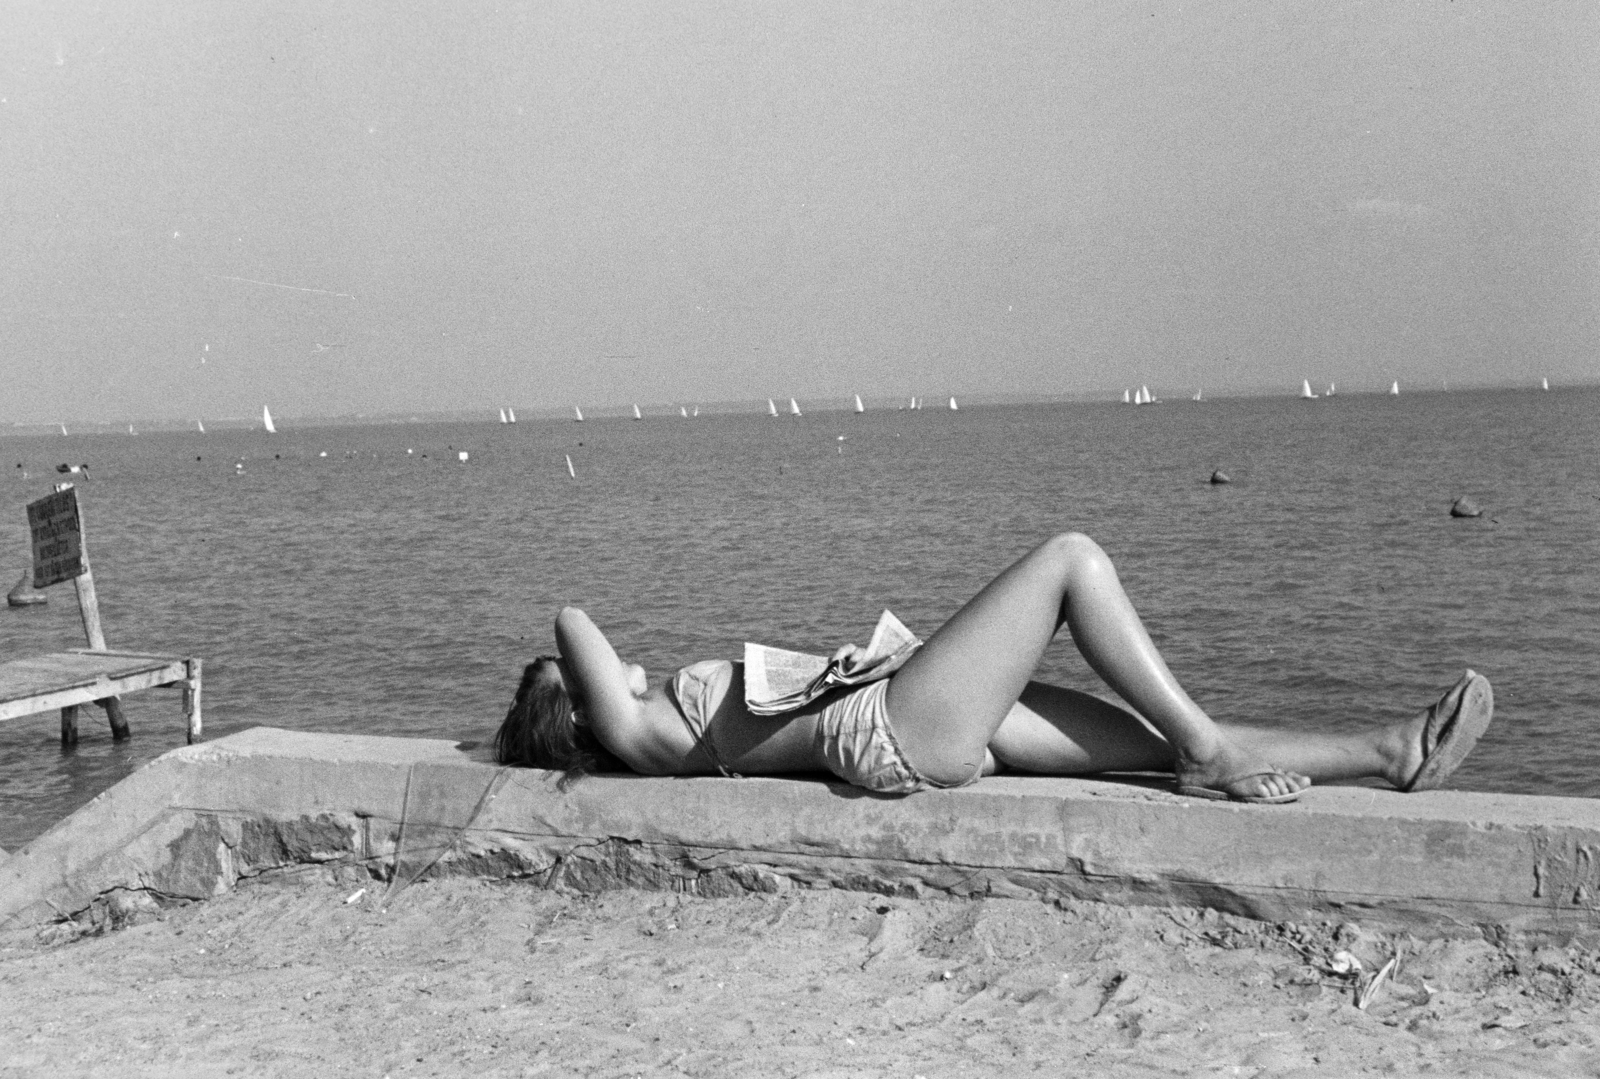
column 200, row 425
column 131, row 431
column 859, row 406
column 577, row 414
column 636, row 413
column 696, row 411
column 266, row 421
column 1305, row 389
column 772, row 409
column 794, row 407
column 953, row 406
column 511, row 412
column 63, row 428
column 684, row 412
column 1197, row 395
column 1394, row 389
column 570, row 470
column 1126, row 399
column 1544, row 383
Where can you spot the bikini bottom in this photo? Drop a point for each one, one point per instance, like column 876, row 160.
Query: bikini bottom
column 857, row 743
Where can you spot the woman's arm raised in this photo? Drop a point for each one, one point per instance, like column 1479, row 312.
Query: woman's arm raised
column 605, row 691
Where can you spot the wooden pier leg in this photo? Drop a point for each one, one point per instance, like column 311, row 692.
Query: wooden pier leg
column 191, row 700
column 119, row 722
column 69, row 725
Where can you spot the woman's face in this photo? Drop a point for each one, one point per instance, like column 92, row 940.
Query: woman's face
column 638, row 681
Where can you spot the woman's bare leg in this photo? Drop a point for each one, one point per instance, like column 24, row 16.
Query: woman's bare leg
column 1052, row 730
column 948, row 701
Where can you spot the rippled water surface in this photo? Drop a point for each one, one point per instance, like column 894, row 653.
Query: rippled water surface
column 377, row 591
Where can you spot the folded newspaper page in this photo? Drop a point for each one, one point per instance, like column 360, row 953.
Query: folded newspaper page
column 777, row 680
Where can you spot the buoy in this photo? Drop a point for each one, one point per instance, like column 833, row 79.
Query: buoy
column 1465, row 507
column 1220, row 476
column 23, row 595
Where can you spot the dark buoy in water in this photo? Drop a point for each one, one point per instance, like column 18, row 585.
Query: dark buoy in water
column 1465, row 507
column 1220, row 476
column 23, row 594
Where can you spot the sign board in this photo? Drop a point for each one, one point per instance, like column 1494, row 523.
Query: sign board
column 57, row 538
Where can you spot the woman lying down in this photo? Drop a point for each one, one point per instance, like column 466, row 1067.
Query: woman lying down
column 964, row 706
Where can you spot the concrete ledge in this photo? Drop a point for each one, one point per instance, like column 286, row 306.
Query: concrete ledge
column 196, row 820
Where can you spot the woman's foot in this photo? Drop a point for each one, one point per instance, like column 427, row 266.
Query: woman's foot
column 1433, row 744
column 1231, row 775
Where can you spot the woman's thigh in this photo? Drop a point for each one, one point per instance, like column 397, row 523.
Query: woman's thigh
column 949, row 698
column 1057, row 731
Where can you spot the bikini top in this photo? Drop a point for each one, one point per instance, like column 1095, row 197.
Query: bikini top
column 697, row 691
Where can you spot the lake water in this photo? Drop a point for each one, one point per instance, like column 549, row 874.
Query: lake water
column 378, row 591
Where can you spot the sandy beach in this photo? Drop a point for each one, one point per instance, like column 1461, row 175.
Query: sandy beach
column 307, row 974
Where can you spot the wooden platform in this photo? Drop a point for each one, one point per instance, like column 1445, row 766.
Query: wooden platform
column 65, row 680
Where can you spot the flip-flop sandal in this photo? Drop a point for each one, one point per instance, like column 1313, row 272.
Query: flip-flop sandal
column 1455, row 723
column 1218, row 794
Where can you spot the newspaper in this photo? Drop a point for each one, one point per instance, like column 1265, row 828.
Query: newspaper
column 777, row 680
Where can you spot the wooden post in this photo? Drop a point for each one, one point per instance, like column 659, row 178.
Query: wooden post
column 191, row 700
column 89, row 609
column 69, row 726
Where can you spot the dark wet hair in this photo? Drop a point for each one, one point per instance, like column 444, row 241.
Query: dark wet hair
column 539, row 732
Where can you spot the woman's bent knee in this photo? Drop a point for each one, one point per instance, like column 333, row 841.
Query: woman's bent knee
column 1074, row 552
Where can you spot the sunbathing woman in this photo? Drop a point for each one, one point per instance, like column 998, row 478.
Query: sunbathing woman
column 964, row 706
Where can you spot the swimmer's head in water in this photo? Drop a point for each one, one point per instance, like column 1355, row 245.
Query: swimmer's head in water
column 544, row 727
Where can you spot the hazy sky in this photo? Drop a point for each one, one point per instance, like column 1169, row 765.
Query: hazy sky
column 338, row 208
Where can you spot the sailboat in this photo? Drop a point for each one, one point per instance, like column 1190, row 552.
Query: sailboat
column 503, row 416
column 131, row 431
column 577, row 414
column 684, row 412
column 794, row 407
column 1126, row 399
column 1196, row 396
column 512, row 413
column 1305, row 390
column 1394, row 390
column 200, row 425
column 1332, row 389
column 772, row 409
column 696, row 411
column 1544, row 383
column 1142, row 396
column 636, row 413
column 953, row 406
column 63, row 428
column 859, row 406
column 266, row 421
